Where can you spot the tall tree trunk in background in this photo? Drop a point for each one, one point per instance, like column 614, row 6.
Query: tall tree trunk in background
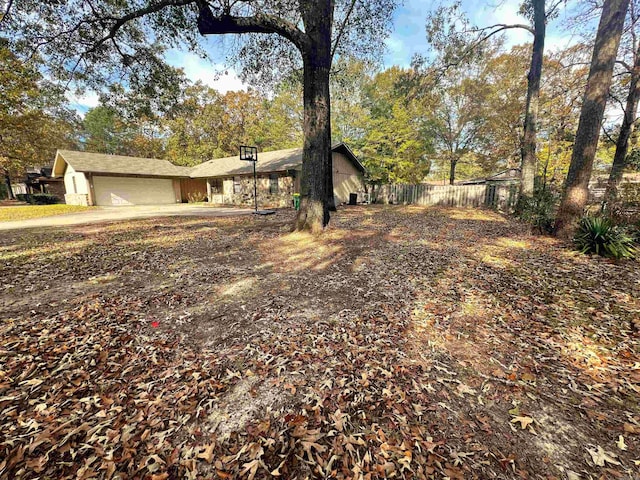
column 626, row 130
column 331, row 199
column 576, row 191
column 528, row 168
column 7, row 181
column 452, row 170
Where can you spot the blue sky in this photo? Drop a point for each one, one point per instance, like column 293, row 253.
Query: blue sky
column 409, row 36
column 407, row 39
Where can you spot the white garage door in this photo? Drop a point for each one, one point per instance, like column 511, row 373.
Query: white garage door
column 133, row 191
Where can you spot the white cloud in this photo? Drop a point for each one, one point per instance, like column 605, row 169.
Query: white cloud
column 213, row 75
column 82, row 103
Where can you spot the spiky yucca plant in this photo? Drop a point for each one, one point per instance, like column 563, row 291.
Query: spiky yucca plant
column 601, row 236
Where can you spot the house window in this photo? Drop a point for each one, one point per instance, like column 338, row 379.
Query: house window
column 216, row 185
column 75, row 187
column 273, row 183
column 237, row 186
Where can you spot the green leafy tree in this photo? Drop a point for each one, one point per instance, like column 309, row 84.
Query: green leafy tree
column 192, row 129
column 396, row 143
column 105, row 132
column 33, row 119
column 459, row 118
column 280, row 120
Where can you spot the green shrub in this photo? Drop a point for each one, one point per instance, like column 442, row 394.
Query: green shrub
column 601, row 236
column 44, row 199
column 38, row 198
column 538, row 210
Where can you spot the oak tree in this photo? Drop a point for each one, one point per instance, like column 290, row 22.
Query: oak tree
column 98, row 42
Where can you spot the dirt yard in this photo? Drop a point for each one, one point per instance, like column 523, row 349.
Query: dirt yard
column 403, row 343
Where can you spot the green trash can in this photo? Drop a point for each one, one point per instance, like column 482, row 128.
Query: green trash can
column 296, row 201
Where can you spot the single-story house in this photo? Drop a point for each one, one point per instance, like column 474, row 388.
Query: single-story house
column 101, row 179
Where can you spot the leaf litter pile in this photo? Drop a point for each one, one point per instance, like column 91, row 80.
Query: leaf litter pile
column 404, row 342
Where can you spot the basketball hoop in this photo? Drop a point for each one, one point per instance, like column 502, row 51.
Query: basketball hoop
column 250, row 154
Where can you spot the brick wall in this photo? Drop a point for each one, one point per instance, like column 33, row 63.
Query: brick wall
column 76, row 199
column 244, row 194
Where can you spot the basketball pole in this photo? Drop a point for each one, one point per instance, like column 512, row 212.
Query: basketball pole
column 255, row 185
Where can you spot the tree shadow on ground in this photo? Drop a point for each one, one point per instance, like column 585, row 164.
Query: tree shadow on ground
column 396, row 342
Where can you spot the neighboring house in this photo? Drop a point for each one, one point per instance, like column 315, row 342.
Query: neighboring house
column 99, row 179
column 39, row 180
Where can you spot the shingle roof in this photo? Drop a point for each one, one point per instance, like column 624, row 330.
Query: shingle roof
column 276, row 161
column 118, row 164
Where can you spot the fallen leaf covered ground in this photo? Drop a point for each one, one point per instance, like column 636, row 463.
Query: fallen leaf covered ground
column 403, row 343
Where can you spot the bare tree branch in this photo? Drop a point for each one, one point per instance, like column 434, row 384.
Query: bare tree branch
column 120, row 22
column 502, row 26
column 208, row 24
column 6, row 11
column 342, row 28
column 484, row 38
column 609, row 137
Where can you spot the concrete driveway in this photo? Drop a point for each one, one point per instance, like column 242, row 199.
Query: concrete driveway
column 112, row 214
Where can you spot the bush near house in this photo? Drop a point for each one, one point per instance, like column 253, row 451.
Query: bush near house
column 539, row 210
column 38, row 198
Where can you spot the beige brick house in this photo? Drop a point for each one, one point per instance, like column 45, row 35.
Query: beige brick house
column 100, row 179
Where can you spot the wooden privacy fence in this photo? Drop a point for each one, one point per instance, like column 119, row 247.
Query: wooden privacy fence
column 499, row 196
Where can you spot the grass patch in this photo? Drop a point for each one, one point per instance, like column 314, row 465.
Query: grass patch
column 26, row 212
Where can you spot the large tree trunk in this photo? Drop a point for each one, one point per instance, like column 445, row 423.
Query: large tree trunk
column 626, row 130
column 576, row 191
column 7, row 181
column 314, row 206
column 314, row 45
column 316, row 157
column 528, row 167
